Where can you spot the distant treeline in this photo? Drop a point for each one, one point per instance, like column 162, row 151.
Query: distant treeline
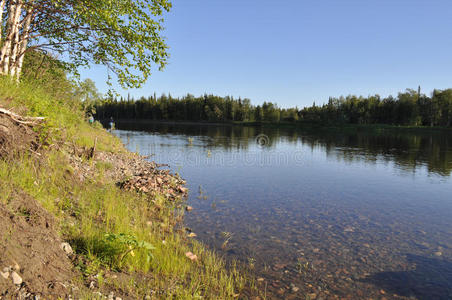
column 409, row 108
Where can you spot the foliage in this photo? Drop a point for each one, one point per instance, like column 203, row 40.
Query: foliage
column 125, row 36
column 409, row 108
column 125, row 244
column 189, row 108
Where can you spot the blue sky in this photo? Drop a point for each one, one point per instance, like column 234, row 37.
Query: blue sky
column 294, row 52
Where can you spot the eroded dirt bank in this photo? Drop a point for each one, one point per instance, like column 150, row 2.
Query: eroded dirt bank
column 36, row 262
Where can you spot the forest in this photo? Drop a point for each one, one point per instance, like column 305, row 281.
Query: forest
column 409, row 108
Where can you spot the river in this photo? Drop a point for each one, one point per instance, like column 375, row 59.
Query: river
column 317, row 215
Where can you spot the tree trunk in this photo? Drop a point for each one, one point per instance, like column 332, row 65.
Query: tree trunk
column 23, row 42
column 13, row 23
column 7, row 43
column 16, row 42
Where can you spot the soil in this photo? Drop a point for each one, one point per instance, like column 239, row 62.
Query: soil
column 30, row 245
column 15, row 137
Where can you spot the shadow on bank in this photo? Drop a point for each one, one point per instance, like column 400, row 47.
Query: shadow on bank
column 431, row 279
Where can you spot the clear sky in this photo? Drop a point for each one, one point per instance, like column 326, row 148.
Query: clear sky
column 294, row 52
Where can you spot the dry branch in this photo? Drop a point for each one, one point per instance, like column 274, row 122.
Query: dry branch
column 31, row 121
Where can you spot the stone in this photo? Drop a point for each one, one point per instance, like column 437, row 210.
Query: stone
column 312, row 296
column 189, row 208
column 192, row 234
column 16, row 267
column 349, row 229
column 66, row 248
column 295, row 289
column 17, row 280
column 191, row 256
column 5, row 273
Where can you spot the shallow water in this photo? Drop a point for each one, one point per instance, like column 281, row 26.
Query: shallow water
column 319, row 214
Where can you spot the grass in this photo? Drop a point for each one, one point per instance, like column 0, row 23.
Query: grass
column 110, row 229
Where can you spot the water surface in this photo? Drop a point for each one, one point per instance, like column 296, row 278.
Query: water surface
column 327, row 215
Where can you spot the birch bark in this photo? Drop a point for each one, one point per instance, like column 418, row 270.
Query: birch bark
column 24, row 42
column 15, row 44
column 13, row 25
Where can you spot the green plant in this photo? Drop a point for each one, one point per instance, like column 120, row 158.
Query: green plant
column 126, row 244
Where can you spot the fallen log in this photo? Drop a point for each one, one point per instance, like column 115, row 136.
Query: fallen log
column 31, row 121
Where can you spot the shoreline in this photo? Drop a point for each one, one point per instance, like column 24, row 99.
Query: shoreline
column 297, row 125
column 107, row 221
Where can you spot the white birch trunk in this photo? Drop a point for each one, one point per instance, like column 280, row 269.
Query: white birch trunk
column 13, row 26
column 16, row 42
column 7, row 44
column 24, row 42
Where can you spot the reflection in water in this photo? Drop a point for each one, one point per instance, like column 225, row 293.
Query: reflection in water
column 407, row 150
column 318, row 214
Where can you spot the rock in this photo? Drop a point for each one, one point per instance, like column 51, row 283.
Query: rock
column 349, row 229
column 66, row 248
column 312, row 296
column 111, row 296
column 92, row 285
column 295, row 289
column 192, row 234
column 278, row 266
column 16, row 267
column 5, row 273
column 191, row 256
column 17, row 280
column 188, row 208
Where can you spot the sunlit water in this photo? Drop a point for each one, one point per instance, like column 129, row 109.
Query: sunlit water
column 324, row 215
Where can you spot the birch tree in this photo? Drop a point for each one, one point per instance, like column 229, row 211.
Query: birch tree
column 124, row 35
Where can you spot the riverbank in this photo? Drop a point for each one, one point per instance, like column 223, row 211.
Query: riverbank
column 301, row 125
column 99, row 221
